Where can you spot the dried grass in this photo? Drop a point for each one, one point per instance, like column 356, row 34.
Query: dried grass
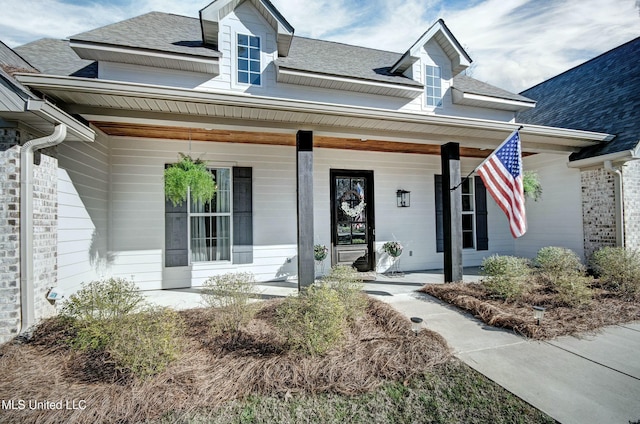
column 559, row 319
column 380, row 347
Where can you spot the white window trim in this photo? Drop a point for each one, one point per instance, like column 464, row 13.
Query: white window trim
column 236, row 58
column 472, row 212
column 229, row 214
column 426, row 98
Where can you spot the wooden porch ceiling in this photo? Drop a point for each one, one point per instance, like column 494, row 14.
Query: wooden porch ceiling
column 277, row 139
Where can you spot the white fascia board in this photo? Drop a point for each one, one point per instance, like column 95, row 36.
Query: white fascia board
column 92, row 51
column 598, row 161
column 416, row 90
column 514, row 104
column 78, row 129
column 90, row 86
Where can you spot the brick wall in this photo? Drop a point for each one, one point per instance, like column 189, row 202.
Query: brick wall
column 9, row 242
column 45, row 232
column 631, row 187
column 598, row 210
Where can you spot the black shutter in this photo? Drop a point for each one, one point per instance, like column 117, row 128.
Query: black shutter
column 439, row 214
column 482, row 230
column 242, row 215
column 176, row 237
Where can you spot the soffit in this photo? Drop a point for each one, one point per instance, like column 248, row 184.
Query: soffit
column 106, row 101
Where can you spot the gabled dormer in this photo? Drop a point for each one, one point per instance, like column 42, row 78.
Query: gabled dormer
column 211, row 15
column 441, row 34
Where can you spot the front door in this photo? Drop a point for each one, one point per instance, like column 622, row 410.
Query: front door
column 352, row 219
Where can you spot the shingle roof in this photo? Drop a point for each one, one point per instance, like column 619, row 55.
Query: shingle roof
column 57, row 58
column 179, row 34
column 601, row 95
column 153, row 31
column 467, row 84
column 337, row 59
column 10, row 60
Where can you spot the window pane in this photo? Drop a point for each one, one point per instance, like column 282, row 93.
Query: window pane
column 467, row 240
column 210, row 238
column 243, row 65
column 344, row 233
column 254, row 66
column 467, row 203
column 254, row 42
column 243, row 52
column 223, row 194
column 255, row 79
column 243, row 39
column 243, row 77
column 467, row 222
column 254, row 54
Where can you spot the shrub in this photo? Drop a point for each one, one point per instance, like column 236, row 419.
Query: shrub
column 506, row 276
column 110, row 316
column 557, row 262
column 145, row 343
column 103, row 299
column 346, row 282
column 313, row 322
column 560, row 269
column 618, row 269
column 231, row 293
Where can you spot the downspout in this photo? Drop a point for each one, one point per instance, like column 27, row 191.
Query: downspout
column 619, row 199
column 27, row 297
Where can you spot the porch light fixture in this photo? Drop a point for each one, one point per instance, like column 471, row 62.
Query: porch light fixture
column 538, row 313
column 416, row 323
column 403, row 198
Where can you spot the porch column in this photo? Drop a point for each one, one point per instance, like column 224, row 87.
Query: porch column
column 452, row 212
column 304, row 160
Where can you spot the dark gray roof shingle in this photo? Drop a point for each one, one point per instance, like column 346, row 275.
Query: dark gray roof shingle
column 601, row 95
column 10, row 60
column 57, row 58
column 153, row 31
column 337, row 59
column 467, row 84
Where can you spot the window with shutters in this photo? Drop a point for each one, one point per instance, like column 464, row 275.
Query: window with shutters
column 210, row 222
column 219, row 230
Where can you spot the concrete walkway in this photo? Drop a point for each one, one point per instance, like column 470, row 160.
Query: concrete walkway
column 594, row 379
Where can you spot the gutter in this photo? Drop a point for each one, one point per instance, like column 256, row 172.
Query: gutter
column 27, row 297
column 619, row 200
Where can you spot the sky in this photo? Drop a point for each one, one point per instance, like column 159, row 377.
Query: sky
column 514, row 44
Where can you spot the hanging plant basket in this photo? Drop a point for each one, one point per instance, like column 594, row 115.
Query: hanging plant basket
column 188, row 175
column 531, row 186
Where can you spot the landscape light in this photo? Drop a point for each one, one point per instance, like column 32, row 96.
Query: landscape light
column 416, row 323
column 538, row 313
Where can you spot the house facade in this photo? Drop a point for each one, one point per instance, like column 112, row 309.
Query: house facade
column 309, row 142
column 602, row 94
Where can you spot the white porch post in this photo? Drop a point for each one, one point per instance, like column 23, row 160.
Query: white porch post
column 304, row 160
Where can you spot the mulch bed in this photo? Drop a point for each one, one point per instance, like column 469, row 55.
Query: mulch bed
column 559, row 319
column 380, row 347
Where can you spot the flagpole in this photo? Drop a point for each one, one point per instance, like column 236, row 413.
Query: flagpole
column 486, row 159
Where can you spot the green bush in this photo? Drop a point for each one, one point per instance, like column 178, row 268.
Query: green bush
column 145, row 343
column 346, row 281
column 574, row 290
column 561, row 270
column 102, row 300
column 231, row 293
column 506, row 276
column 313, row 322
column 618, row 269
column 110, row 316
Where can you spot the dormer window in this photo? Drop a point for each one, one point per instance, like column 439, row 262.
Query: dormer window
column 433, row 85
column 248, row 59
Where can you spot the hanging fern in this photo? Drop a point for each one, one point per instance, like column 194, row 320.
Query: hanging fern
column 531, row 185
column 188, row 175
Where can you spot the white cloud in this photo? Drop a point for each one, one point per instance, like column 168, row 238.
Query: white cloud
column 515, row 44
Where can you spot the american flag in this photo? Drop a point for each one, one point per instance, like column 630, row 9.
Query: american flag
column 502, row 176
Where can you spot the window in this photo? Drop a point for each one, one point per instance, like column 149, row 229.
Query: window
column 248, row 59
column 433, row 85
column 468, row 214
column 210, row 222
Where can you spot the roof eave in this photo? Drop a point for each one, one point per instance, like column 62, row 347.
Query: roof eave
column 473, row 99
column 616, row 158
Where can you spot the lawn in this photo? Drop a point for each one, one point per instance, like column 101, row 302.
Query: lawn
column 381, row 372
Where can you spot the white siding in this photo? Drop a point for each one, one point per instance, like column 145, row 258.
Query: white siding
column 556, row 219
column 83, row 177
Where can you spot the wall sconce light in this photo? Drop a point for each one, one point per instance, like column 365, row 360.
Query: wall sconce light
column 403, row 198
column 538, row 313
